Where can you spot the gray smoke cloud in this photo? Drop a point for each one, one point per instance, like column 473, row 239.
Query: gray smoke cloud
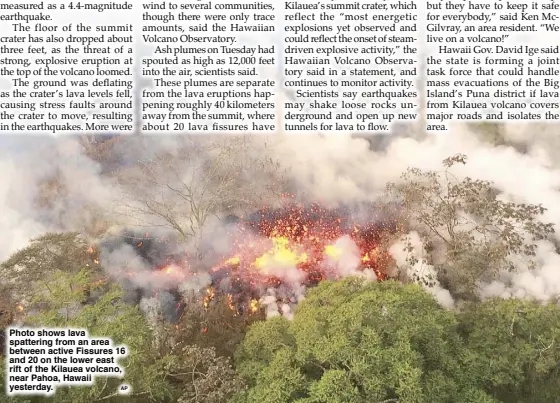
column 124, row 263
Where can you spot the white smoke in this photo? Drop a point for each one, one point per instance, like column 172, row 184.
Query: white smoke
column 195, row 282
column 124, row 263
column 25, row 165
column 341, row 259
column 346, row 260
column 420, row 270
column 539, row 139
column 540, row 284
column 342, row 170
column 152, row 308
column 270, row 303
column 282, row 300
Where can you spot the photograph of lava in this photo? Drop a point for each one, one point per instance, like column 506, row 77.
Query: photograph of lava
column 412, row 268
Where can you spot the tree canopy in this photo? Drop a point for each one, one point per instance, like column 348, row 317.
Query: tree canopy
column 59, row 303
column 352, row 341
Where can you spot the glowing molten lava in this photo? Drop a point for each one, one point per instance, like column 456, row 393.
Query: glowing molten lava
column 282, row 250
column 300, row 245
column 282, row 254
column 254, row 305
column 333, row 251
column 208, row 297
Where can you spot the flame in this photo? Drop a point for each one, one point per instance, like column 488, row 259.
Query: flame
column 281, row 254
column 233, row 260
column 273, row 243
column 230, row 303
column 372, row 255
column 254, row 305
column 333, row 251
column 208, row 297
column 19, row 308
column 171, row 271
column 92, row 251
column 274, row 247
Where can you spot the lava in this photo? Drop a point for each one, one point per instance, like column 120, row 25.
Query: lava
column 301, row 238
column 290, row 249
column 293, row 248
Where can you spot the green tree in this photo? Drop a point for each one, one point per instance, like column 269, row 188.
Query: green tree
column 8, row 310
column 480, row 234
column 352, row 341
column 68, row 252
column 513, row 348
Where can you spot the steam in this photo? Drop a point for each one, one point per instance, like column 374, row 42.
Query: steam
column 159, row 306
column 281, row 301
column 539, row 284
column 358, row 174
column 343, row 260
column 124, row 263
column 347, row 259
column 419, row 269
